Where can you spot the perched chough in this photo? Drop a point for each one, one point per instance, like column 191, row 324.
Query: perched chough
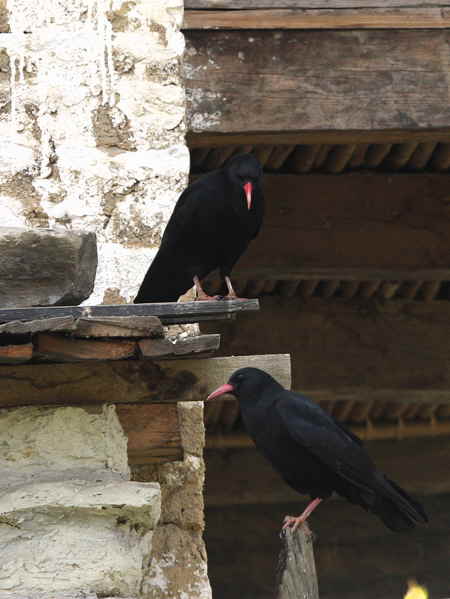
column 315, row 454
column 212, row 224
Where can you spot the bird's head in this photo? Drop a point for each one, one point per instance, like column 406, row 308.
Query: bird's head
column 245, row 172
column 246, row 384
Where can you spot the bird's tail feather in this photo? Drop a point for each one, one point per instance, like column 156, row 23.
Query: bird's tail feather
column 395, row 507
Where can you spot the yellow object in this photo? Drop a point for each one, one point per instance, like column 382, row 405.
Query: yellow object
column 415, row 591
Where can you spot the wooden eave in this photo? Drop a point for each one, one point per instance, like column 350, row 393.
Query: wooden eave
column 88, row 356
column 278, row 82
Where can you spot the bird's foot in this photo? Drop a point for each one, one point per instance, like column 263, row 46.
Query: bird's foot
column 293, row 522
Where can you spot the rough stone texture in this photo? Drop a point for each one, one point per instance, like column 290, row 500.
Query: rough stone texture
column 192, row 429
column 42, row 267
column 71, row 520
column 92, row 126
column 77, row 535
column 61, row 443
column 61, row 595
column 178, row 566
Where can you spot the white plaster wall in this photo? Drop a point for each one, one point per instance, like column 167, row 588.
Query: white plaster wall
column 70, row 518
column 92, row 126
column 55, row 443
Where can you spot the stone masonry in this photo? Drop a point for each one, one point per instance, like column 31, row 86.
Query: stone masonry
column 71, row 521
column 178, row 565
column 92, row 126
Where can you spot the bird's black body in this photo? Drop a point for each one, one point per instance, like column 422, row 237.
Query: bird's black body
column 210, row 227
column 314, row 454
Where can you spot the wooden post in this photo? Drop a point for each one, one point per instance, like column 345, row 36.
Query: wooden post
column 296, row 568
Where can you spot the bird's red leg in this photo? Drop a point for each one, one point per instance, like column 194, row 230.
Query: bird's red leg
column 294, row 522
column 231, row 292
column 200, row 294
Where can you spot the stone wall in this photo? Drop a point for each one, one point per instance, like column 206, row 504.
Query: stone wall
column 71, row 520
column 92, row 126
column 178, row 565
column 92, row 112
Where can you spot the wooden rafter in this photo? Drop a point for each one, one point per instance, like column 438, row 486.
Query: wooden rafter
column 269, row 90
column 343, row 18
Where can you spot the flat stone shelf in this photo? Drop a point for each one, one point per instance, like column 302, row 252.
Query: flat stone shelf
column 168, row 313
column 119, row 332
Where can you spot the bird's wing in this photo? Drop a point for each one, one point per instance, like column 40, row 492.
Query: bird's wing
column 183, row 216
column 326, row 439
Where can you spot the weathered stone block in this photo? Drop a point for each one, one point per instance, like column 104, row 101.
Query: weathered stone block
column 77, row 535
column 45, row 267
column 178, row 569
column 61, row 443
column 4, row 23
column 192, row 428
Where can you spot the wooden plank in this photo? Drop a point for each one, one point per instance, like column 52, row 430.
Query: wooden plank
column 69, row 349
column 296, row 571
column 16, row 354
column 159, row 348
column 350, row 345
column 384, row 227
column 243, row 476
column 119, row 326
column 354, row 18
column 36, row 326
column 153, row 432
column 414, row 430
column 169, row 313
column 200, row 140
column 254, row 4
column 277, row 81
column 129, row 381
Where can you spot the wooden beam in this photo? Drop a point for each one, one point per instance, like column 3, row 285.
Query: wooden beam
column 265, row 4
column 265, row 88
column 345, row 345
column 140, row 381
column 164, row 348
column 384, row 227
column 353, row 18
column 63, row 348
column 153, row 432
column 243, row 476
column 375, row 433
column 201, row 140
column 168, row 313
column 16, row 354
column 17, row 327
column 117, row 326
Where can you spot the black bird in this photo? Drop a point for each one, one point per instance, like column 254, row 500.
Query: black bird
column 314, row 453
column 211, row 226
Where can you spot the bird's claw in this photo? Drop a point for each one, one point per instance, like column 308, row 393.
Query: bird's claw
column 293, row 522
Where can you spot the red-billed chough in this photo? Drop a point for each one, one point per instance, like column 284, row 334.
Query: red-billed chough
column 213, row 222
column 314, row 453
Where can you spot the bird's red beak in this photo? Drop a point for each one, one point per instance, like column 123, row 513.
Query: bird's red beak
column 248, row 188
column 227, row 388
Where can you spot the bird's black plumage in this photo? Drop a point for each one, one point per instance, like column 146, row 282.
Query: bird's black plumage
column 210, row 227
column 314, row 453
